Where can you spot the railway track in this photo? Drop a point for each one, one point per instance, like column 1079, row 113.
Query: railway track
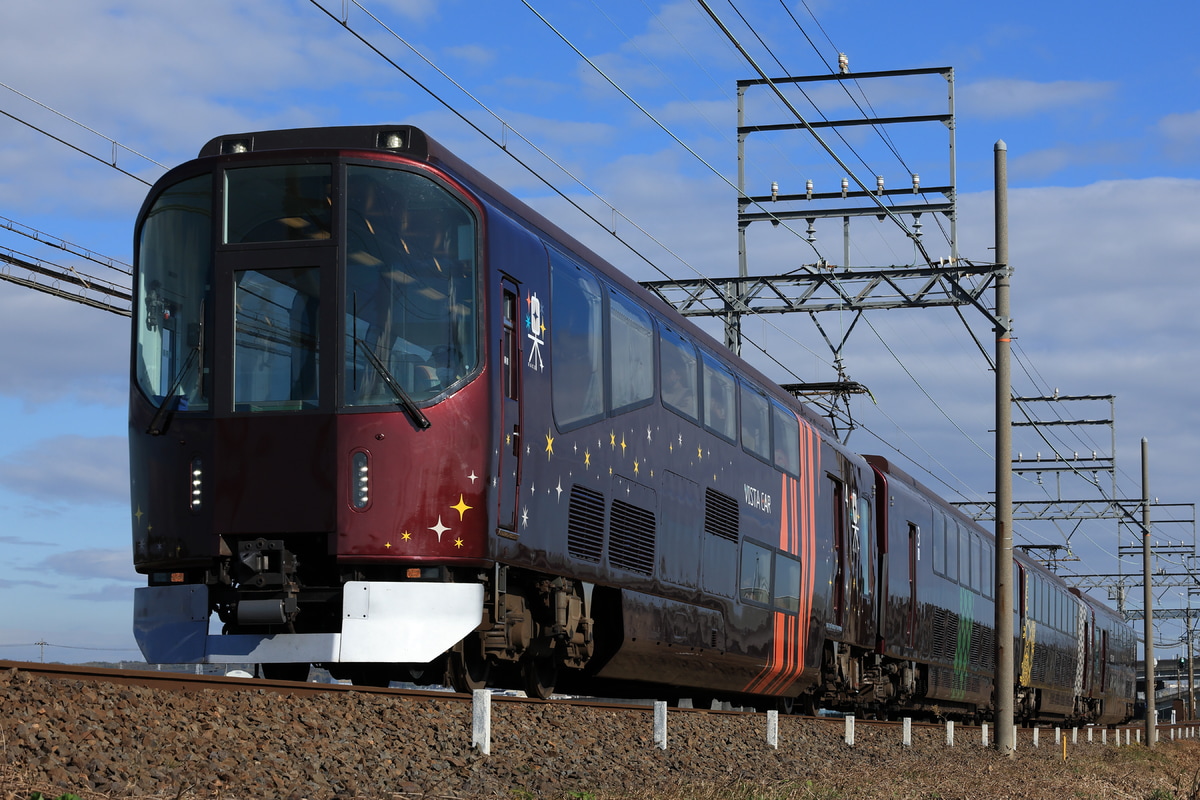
column 138, row 733
column 190, row 682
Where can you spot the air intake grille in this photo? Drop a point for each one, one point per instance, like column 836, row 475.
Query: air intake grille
column 720, row 515
column 631, row 538
column 585, row 524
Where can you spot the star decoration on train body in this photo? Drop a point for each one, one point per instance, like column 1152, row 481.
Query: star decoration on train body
column 461, row 507
column 439, row 529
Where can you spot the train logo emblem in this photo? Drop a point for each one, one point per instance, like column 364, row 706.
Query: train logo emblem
column 536, row 332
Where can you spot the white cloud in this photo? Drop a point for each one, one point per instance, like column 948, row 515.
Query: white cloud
column 472, row 54
column 1005, row 97
column 110, row 564
column 1181, row 133
column 70, row 469
column 53, row 349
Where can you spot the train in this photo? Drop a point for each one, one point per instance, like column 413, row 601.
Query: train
column 387, row 419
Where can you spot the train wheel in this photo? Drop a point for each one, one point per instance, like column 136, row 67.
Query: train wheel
column 467, row 667
column 539, row 675
column 284, row 672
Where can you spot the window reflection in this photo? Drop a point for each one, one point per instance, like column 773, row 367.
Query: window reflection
column 679, row 376
column 276, row 339
column 410, row 286
column 174, row 293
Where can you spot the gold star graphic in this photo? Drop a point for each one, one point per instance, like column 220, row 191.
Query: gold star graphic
column 461, row 507
column 622, row 444
column 700, row 453
column 612, row 440
column 406, row 536
column 587, row 459
column 458, row 542
column 635, row 466
column 549, row 445
column 388, row 545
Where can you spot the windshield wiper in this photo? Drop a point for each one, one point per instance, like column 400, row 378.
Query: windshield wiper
column 157, row 425
column 406, row 401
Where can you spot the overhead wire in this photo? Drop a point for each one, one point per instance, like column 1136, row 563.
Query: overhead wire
column 41, row 237
column 76, row 148
column 115, row 144
column 345, row 23
column 508, row 127
column 745, row 54
column 887, row 140
column 883, row 207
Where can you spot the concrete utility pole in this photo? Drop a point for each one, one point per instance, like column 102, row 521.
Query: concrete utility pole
column 1005, row 668
column 1148, row 597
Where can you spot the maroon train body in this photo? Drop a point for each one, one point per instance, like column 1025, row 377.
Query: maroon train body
column 386, row 419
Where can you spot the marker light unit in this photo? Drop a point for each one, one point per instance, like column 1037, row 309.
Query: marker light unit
column 196, row 478
column 360, row 480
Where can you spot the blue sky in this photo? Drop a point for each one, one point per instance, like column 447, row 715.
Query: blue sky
column 1099, row 106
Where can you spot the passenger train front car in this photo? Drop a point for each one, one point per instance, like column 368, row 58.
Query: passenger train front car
column 386, row 419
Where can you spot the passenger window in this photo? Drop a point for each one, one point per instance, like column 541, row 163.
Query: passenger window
column 786, row 433
column 951, row 550
column 973, row 560
column 631, row 353
column 756, row 423
column 989, row 569
column 787, row 583
column 964, row 555
column 679, row 374
column 577, row 344
column 865, row 535
column 755, row 583
column 720, row 404
column 939, row 544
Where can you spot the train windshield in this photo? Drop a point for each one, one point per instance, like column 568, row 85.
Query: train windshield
column 410, row 287
column 174, row 289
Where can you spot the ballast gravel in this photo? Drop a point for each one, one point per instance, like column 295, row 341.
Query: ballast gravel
column 103, row 740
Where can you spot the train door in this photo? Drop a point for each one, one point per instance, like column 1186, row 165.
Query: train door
column 840, row 546
column 1103, row 662
column 510, row 405
column 1089, row 647
column 910, row 618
